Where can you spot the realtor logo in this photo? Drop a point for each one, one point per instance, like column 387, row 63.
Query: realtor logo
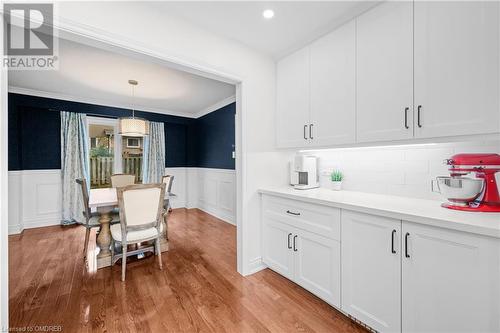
column 29, row 40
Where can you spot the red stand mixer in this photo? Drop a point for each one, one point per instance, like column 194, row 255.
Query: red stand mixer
column 478, row 194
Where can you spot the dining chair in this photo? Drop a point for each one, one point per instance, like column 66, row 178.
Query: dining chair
column 122, row 179
column 168, row 180
column 91, row 218
column 141, row 208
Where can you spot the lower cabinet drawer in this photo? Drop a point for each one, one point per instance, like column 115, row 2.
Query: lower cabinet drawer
column 322, row 220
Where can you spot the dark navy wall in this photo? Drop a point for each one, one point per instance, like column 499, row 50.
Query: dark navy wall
column 34, row 133
column 215, row 139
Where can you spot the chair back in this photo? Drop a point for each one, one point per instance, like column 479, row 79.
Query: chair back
column 168, row 180
column 141, row 206
column 122, row 179
column 85, row 195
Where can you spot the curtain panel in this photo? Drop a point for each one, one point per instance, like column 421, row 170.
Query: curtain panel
column 153, row 165
column 74, row 164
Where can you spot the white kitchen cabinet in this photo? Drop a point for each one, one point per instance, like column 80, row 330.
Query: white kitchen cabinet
column 317, row 265
column 300, row 242
column 333, row 88
column 371, row 270
column 277, row 247
column 456, row 68
column 292, row 112
column 384, row 94
column 450, row 281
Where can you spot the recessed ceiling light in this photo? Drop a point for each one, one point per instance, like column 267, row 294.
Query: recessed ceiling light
column 268, row 14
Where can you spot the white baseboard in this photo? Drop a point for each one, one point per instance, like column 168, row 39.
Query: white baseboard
column 42, row 222
column 255, row 265
column 218, row 214
column 15, row 229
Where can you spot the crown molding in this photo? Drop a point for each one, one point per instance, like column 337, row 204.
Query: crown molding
column 216, row 106
column 72, row 98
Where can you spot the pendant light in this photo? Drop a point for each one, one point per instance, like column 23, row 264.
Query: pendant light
column 133, row 126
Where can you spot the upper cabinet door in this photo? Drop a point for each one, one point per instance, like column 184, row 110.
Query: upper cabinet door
column 450, row 281
column 456, row 68
column 333, row 87
column 293, row 100
column 385, row 73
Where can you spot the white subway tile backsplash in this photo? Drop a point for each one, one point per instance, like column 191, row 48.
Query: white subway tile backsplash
column 397, row 170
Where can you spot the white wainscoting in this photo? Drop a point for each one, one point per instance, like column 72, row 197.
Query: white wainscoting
column 34, row 199
column 178, row 186
column 35, row 195
column 213, row 191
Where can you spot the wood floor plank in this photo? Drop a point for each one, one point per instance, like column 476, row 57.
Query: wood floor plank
column 198, row 290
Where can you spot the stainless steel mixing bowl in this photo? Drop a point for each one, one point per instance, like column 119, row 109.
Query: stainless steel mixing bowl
column 460, row 191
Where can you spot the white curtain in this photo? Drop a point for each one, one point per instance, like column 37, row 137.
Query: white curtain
column 74, row 164
column 153, row 165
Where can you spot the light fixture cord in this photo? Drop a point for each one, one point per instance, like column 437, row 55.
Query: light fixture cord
column 133, row 101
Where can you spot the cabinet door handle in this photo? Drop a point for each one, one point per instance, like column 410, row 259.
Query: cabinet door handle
column 419, row 109
column 406, row 245
column 392, row 241
column 289, row 241
column 292, row 213
column 311, row 131
column 305, row 129
column 294, row 243
column 406, row 117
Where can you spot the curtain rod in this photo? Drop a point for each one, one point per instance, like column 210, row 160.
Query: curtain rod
column 90, row 114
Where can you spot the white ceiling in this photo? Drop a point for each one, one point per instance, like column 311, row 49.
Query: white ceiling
column 295, row 23
column 93, row 75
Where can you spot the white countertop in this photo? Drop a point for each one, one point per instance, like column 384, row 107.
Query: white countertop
column 422, row 211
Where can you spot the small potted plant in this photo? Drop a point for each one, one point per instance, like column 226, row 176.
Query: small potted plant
column 336, row 178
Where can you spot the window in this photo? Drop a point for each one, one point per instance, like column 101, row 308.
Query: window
column 133, row 143
column 111, row 153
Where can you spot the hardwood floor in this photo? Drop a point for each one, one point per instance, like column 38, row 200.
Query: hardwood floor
column 198, row 290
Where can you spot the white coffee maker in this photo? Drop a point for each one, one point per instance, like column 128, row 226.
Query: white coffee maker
column 304, row 172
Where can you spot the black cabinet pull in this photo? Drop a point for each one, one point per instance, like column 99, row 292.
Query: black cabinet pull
column 392, row 241
column 289, row 245
column 294, row 243
column 305, row 129
column 292, row 213
column 419, row 108
column 406, row 245
column 311, row 131
column 406, row 117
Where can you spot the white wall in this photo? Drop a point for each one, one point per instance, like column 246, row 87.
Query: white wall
column 141, row 26
column 399, row 170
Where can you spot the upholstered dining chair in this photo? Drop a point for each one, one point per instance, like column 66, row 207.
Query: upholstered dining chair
column 122, row 179
column 141, row 208
column 91, row 218
column 168, row 180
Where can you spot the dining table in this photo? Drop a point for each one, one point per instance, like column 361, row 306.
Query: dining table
column 105, row 201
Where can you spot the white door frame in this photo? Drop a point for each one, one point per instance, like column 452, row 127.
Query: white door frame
column 4, row 190
column 76, row 32
column 117, row 148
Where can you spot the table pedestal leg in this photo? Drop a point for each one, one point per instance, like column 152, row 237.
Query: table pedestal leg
column 104, row 240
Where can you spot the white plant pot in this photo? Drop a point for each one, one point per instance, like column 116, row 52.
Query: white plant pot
column 336, row 186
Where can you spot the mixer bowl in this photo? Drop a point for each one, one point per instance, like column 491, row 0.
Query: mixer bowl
column 460, row 191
